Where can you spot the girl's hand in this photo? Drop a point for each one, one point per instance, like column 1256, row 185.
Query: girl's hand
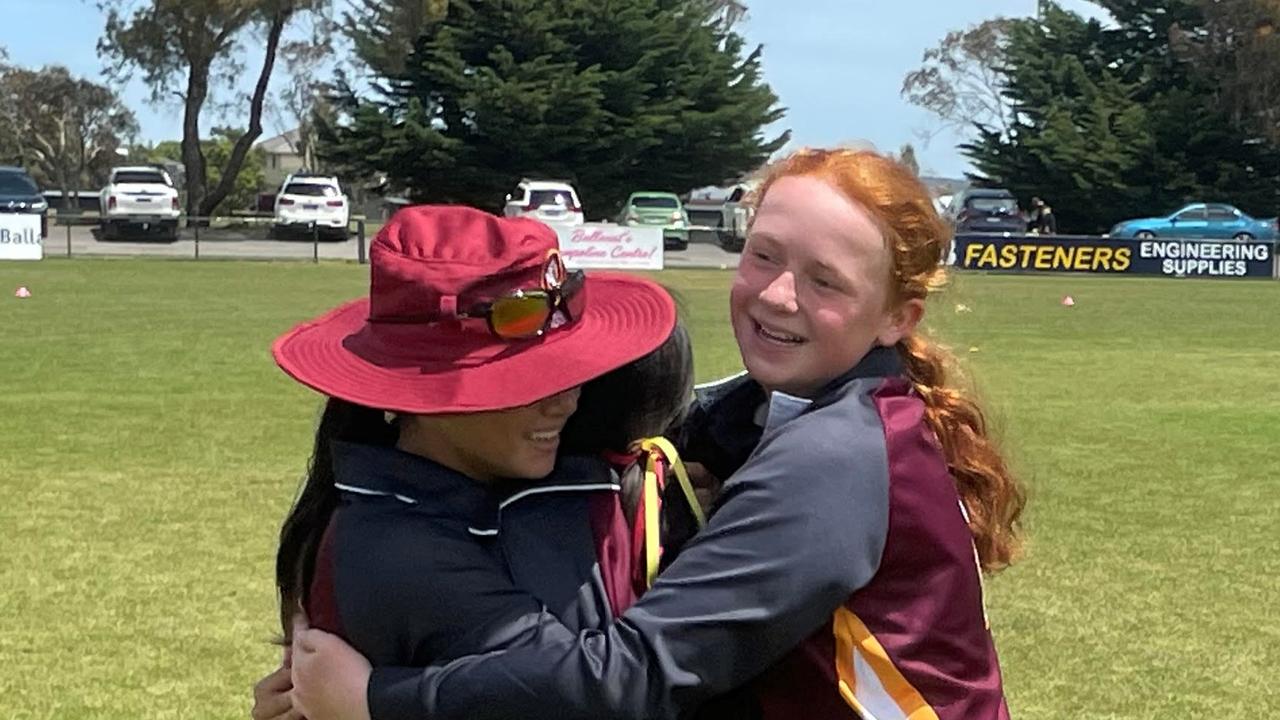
column 271, row 697
column 330, row 678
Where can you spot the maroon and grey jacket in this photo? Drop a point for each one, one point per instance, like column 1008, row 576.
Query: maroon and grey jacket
column 836, row 578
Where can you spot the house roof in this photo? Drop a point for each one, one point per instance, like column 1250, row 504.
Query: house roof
column 283, row 144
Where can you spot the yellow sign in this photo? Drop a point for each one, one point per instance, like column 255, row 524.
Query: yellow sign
column 1029, row 256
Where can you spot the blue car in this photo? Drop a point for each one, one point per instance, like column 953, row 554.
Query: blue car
column 1200, row 221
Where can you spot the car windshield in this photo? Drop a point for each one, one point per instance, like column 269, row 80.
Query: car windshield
column 994, row 205
column 311, row 190
column 139, row 177
column 664, row 203
column 538, row 198
column 14, row 184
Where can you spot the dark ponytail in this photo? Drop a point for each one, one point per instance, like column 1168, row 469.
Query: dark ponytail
column 306, row 522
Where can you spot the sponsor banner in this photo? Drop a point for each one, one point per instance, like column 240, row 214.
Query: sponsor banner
column 603, row 245
column 1115, row 256
column 20, row 237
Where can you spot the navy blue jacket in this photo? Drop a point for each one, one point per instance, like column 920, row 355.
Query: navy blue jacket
column 419, row 564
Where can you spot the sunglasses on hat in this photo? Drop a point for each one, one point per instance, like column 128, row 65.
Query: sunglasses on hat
column 530, row 313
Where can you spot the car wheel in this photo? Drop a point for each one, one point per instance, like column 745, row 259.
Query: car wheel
column 728, row 241
column 1243, row 237
column 1144, row 235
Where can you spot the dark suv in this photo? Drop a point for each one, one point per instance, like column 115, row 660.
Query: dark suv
column 19, row 194
column 984, row 210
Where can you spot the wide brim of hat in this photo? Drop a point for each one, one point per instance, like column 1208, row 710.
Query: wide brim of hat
column 626, row 318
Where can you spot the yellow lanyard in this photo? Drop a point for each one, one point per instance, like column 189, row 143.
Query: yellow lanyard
column 652, row 500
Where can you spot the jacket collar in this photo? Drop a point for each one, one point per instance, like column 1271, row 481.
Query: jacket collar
column 741, row 394
column 386, row 472
column 879, row 362
column 734, row 413
column 379, row 471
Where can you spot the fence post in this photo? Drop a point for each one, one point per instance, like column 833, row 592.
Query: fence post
column 315, row 242
column 68, row 239
column 197, row 227
column 360, row 252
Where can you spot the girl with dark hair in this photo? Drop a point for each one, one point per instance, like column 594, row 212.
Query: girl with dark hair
column 449, row 439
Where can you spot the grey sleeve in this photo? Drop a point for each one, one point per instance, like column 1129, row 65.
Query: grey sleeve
column 797, row 530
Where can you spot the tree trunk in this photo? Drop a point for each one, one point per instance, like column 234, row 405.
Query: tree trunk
column 192, row 156
column 241, row 149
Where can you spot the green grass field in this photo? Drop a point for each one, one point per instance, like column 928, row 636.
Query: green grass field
column 149, row 449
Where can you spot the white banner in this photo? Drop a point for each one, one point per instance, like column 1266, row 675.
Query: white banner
column 604, row 245
column 20, row 237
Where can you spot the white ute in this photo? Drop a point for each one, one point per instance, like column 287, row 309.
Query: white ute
column 140, row 198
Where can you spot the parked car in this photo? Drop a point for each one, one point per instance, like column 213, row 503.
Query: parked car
column 1213, row 221
column 311, row 202
column 551, row 201
column 139, row 200
column 988, row 210
column 19, row 194
column 661, row 209
column 729, row 215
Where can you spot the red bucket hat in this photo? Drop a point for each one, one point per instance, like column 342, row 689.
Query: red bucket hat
column 405, row 349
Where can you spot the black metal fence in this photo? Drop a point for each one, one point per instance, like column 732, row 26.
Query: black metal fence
column 240, row 236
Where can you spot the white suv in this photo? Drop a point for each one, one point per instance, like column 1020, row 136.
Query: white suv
column 139, row 198
column 550, row 201
column 306, row 199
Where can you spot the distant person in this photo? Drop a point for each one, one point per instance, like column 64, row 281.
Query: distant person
column 1043, row 221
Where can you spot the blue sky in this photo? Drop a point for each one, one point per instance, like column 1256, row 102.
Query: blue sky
column 837, row 65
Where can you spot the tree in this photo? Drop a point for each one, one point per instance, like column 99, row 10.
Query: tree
column 639, row 94
column 64, row 129
column 217, row 147
column 303, row 96
column 383, row 32
column 1238, row 51
column 1109, row 123
column 192, row 44
column 961, row 80
column 9, row 149
column 244, row 190
column 730, row 11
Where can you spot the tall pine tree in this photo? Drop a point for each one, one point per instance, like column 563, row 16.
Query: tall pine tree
column 619, row 96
